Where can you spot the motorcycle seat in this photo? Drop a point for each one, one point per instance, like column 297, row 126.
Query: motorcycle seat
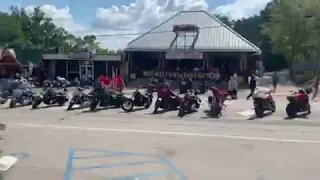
column 80, row 89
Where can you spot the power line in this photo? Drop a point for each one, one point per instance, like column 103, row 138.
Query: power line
column 156, row 32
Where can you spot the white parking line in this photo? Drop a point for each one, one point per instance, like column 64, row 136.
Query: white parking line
column 22, row 125
column 246, row 113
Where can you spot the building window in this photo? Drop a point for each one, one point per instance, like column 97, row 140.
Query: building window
column 73, row 66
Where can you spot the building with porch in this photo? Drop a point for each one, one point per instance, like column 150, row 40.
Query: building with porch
column 81, row 65
column 189, row 44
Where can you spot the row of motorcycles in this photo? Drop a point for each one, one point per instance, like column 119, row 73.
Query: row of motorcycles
column 166, row 99
column 298, row 102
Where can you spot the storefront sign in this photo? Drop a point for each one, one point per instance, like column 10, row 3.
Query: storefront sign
column 192, row 75
column 183, row 55
column 80, row 55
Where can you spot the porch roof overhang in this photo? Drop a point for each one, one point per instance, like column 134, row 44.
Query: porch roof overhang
column 194, row 50
column 93, row 57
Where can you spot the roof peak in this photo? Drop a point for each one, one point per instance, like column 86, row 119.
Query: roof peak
column 210, row 39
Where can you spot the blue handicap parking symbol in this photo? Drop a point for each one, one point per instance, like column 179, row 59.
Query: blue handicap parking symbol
column 160, row 160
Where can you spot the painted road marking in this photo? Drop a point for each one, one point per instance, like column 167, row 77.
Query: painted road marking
column 250, row 138
column 73, row 159
column 247, row 113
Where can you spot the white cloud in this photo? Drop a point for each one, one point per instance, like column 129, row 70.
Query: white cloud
column 141, row 16
column 242, row 8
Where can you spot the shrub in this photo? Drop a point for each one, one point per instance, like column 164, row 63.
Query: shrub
column 304, row 77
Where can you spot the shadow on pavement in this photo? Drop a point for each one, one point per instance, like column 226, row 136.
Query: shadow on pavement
column 45, row 107
column 302, row 116
column 256, row 117
column 133, row 110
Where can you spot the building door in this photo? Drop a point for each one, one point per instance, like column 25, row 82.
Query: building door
column 86, row 72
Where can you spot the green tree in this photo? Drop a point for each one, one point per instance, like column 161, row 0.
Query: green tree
column 9, row 30
column 289, row 31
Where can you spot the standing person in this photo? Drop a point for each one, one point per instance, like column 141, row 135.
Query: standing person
column 232, row 87
column 275, row 80
column 253, row 85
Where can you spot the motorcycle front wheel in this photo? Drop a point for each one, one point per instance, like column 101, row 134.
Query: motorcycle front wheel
column 127, row 105
column 259, row 111
column 36, row 103
column 94, row 104
column 273, row 106
column 181, row 112
column 13, row 103
column 147, row 103
column 70, row 105
column 156, row 106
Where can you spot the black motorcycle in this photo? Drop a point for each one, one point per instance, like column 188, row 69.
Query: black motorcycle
column 262, row 102
column 215, row 106
column 137, row 99
column 102, row 97
column 81, row 98
column 190, row 103
column 23, row 97
column 51, row 97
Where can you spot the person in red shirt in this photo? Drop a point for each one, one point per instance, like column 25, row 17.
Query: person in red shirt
column 103, row 80
column 120, row 82
column 302, row 97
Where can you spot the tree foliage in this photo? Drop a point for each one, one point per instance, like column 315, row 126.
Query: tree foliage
column 18, row 29
column 289, row 30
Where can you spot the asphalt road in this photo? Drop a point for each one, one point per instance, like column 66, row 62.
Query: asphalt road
column 54, row 144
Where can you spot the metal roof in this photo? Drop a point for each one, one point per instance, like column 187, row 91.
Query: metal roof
column 213, row 36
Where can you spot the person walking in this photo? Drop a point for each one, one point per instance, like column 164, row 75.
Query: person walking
column 275, row 80
column 252, row 85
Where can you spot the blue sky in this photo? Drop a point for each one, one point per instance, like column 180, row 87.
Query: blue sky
column 84, row 10
column 82, row 17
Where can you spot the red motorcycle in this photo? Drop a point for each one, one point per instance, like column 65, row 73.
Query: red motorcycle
column 216, row 102
column 166, row 100
column 298, row 102
column 263, row 101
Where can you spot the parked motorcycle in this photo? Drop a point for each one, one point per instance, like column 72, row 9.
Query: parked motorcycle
column 23, row 97
column 166, row 100
column 104, row 98
column 190, row 103
column 81, row 98
column 216, row 102
column 4, row 96
column 61, row 82
column 137, row 99
column 50, row 97
column 263, row 101
column 299, row 102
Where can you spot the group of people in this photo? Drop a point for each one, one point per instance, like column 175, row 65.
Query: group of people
column 116, row 82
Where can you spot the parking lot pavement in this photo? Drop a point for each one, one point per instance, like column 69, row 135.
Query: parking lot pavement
column 98, row 147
